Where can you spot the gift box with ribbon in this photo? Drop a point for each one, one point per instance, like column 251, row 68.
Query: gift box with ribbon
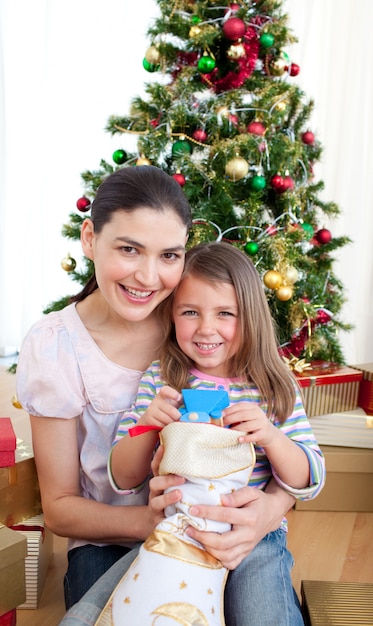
column 19, row 487
column 39, row 552
column 329, row 387
column 365, row 399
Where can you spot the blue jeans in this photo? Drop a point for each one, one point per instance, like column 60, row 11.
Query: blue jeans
column 86, row 565
column 259, row 591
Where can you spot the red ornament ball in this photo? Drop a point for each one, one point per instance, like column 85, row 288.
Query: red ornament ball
column 277, row 183
column 234, row 28
column 288, row 183
column 308, row 138
column 256, row 128
column 83, row 204
column 323, row 235
column 180, row 178
column 294, row 69
column 199, row 135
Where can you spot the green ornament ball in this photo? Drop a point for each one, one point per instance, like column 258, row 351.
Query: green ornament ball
column 196, row 19
column 149, row 67
column 181, row 147
column 251, row 248
column 119, row 157
column 267, row 40
column 257, row 183
column 206, row 64
column 308, row 230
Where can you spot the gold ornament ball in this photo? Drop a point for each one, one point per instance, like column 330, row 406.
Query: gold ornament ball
column 16, row 403
column 291, row 275
column 272, row 279
column 236, row 51
column 277, row 67
column 68, row 264
column 195, row 31
column 143, row 161
column 237, row 168
column 280, row 106
column 284, row 293
column 152, row 55
column 223, row 112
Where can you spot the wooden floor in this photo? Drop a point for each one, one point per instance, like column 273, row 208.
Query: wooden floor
column 325, row 545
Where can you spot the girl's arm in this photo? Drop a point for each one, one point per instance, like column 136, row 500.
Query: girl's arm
column 66, row 512
column 131, row 456
column 287, row 459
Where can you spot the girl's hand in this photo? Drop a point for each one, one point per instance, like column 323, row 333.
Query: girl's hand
column 250, row 418
column 163, row 409
column 252, row 514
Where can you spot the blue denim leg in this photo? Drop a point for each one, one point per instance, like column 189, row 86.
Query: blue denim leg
column 86, row 565
column 259, row 591
column 87, row 610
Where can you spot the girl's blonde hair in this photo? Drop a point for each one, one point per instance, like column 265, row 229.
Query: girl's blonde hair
column 257, row 359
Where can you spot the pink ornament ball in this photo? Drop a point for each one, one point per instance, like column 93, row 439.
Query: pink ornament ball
column 308, row 138
column 256, row 128
column 200, row 135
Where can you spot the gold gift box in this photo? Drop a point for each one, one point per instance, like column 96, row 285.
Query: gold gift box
column 337, row 603
column 13, row 550
column 19, row 488
column 349, row 481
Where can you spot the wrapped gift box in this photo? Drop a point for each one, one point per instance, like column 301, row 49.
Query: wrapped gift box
column 9, row 618
column 19, row 487
column 39, row 553
column 7, row 442
column 336, row 603
column 13, row 550
column 349, row 481
column 329, row 388
column 353, row 429
column 365, row 399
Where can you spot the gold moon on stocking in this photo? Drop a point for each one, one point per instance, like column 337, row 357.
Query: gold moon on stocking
column 182, row 613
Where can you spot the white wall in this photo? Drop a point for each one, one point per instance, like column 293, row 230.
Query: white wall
column 66, row 65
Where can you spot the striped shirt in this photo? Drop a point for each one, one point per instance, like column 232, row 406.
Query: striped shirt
column 296, row 426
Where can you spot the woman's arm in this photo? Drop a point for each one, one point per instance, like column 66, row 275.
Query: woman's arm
column 66, row 512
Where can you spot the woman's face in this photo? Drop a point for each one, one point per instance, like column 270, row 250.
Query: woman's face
column 138, row 257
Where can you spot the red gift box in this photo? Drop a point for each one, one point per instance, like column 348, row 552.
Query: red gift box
column 7, row 442
column 365, row 399
column 8, row 619
column 329, row 388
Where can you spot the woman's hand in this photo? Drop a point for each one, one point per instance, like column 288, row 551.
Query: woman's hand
column 158, row 500
column 252, row 514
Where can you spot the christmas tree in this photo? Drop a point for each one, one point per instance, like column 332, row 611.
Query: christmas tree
column 222, row 113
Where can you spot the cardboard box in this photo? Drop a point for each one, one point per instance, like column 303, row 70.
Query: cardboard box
column 19, row 487
column 13, row 550
column 7, row 442
column 39, row 553
column 365, row 399
column 329, row 389
column 353, row 429
column 336, row 603
column 349, row 481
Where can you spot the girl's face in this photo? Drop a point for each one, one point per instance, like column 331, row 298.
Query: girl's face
column 138, row 257
column 206, row 324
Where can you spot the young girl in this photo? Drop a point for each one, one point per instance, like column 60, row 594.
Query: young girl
column 222, row 337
